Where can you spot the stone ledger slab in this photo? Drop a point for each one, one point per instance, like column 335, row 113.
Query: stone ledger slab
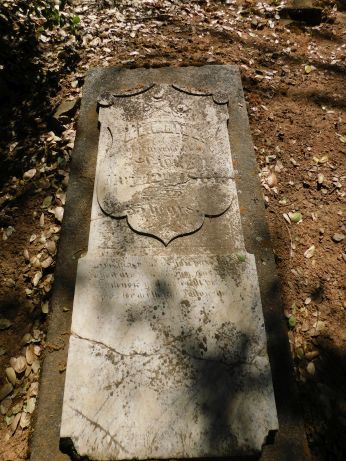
column 175, row 355
column 167, row 355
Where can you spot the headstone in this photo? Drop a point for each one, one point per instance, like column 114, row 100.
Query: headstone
column 167, row 355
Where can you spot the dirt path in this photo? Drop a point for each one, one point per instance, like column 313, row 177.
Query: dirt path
column 294, row 80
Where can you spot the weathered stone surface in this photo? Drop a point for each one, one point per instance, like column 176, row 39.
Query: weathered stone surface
column 167, row 357
column 174, row 358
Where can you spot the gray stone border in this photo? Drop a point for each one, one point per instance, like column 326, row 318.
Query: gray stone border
column 290, row 442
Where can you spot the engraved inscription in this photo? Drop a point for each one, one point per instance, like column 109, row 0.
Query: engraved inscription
column 175, row 347
column 165, row 160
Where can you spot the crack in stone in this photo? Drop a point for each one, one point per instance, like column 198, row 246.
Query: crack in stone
column 179, row 183
column 101, row 428
column 172, row 346
column 100, row 343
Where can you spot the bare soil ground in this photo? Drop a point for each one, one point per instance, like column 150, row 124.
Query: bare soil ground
column 294, row 81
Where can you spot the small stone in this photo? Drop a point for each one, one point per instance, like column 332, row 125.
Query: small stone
column 338, row 237
column 5, row 390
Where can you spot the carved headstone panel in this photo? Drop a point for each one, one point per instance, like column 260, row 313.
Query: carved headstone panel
column 168, row 162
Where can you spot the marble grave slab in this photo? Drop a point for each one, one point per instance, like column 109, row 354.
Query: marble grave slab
column 167, row 355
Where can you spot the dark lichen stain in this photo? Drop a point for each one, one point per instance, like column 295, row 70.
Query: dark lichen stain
column 185, row 303
column 162, row 289
column 227, row 267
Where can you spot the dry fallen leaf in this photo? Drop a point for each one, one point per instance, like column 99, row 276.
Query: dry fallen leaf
column 310, row 252
column 24, row 420
column 29, row 174
column 29, row 354
column 308, row 68
column 59, row 213
column 47, row 262
column 19, row 364
column 5, row 390
column 47, row 202
column 295, row 216
column 14, row 423
column 51, row 247
column 37, row 277
column 26, row 255
column 35, row 366
column 311, row 368
column 323, row 159
column 272, row 180
column 30, row 405
column 5, row 323
column 11, row 375
column 45, row 307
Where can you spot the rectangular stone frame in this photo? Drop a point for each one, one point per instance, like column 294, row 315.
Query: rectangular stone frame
column 290, row 442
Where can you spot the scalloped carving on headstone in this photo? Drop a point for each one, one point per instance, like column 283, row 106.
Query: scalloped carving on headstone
column 168, row 162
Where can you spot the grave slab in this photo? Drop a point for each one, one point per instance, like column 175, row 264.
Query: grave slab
column 168, row 353
column 185, row 246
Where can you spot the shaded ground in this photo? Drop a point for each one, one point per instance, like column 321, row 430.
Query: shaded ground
column 294, row 79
